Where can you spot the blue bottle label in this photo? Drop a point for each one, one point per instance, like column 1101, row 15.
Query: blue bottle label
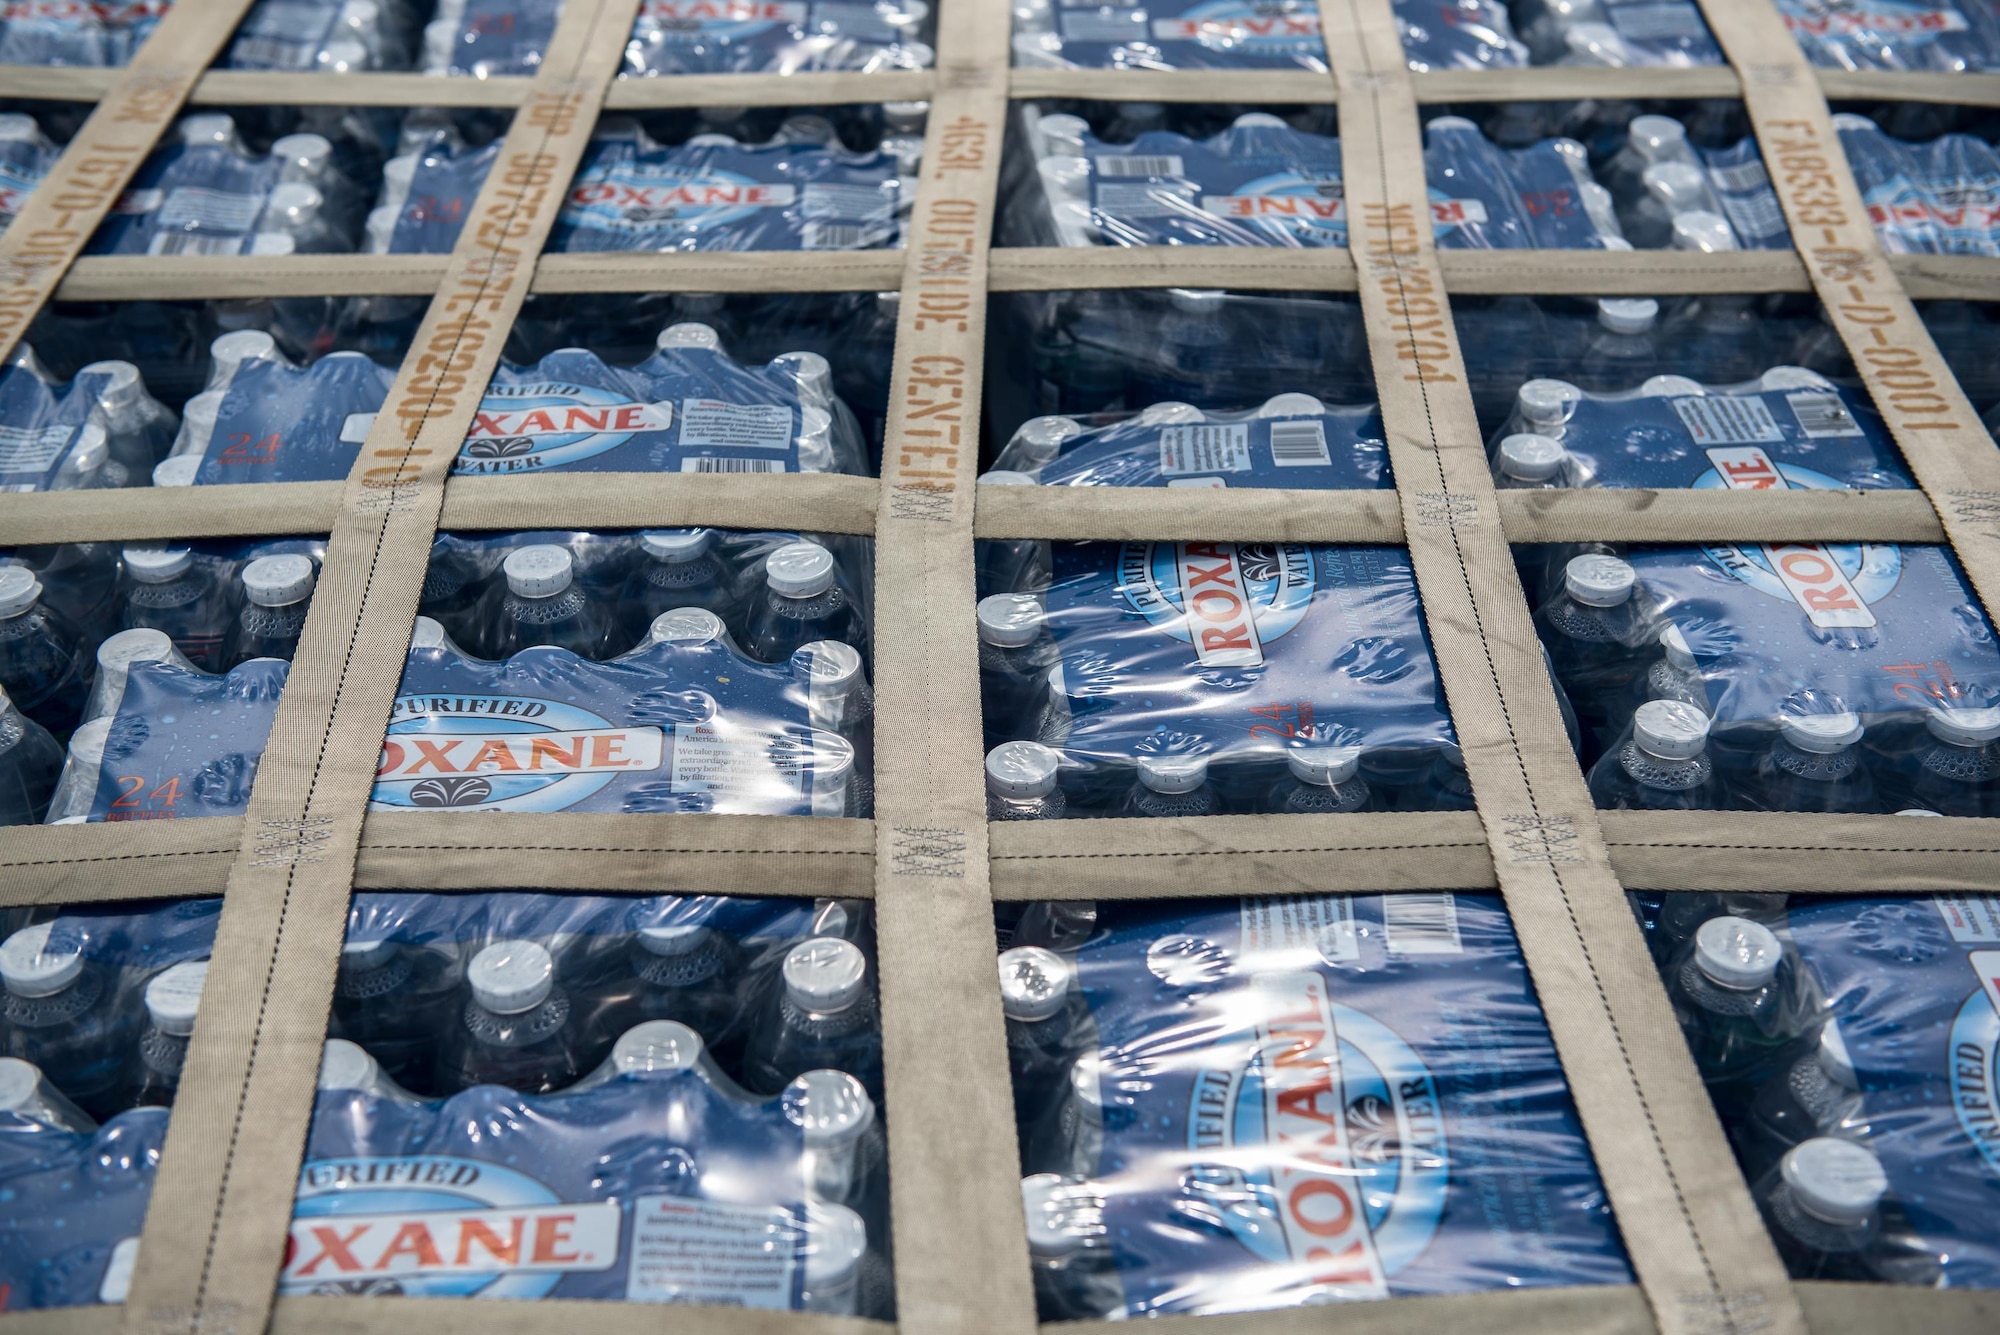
column 1338, row 449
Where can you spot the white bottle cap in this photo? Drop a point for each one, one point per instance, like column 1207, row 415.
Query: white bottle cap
column 1055, row 1227
column 541, row 571
column 1675, row 182
column 1835, row 1181
column 239, row 346
column 1170, row 413
column 676, row 544
column 18, row 591
column 1821, row 734
column 199, row 413
column 30, row 968
column 1041, row 438
column 207, row 128
column 1833, row 1059
column 135, row 646
column 1531, row 458
column 509, row 977
column 174, row 995
column 812, row 372
column 428, row 633
column 825, row 974
column 16, row 126
column 686, row 625
column 836, row 1241
column 90, row 450
column 1920, row 811
column 122, row 386
column 657, row 1045
column 1963, row 727
column 1007, row 620
column 305, row 150
column 1628, row 315
column 1458, row 124
column 364, row 955
column 295, row 202
column 1258, row 120
column 1291, row 405
column 688, row 335
column 1654, row 132
column 1195, row 301
column 1006, row 477
column 1671, row 387
column 1698, row 229
column 1850, row 120
column 1546, row 402
column 1063, row 130
column 1034, row 983
column 1173, row 773
column 86, row 746
column 179, row 471
column 345, row 1065
column 1022, row 771
column 1323, row 765
column 278, row 581
column 799, row 570
column 831, row 665
column 20, row 1084
column 157, row 565
column 831, row 1107
column 1597, row 580
column 1676, row 647
column 1793, row 377
column 671, row 939
column 1737, row 953
column 1670, row 729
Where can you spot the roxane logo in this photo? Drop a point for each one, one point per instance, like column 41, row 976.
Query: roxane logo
column 441, row 1227
column 1833, row 586
column 696, row 197
column 1975, row 1059
column 734, row 20
column 1226, row 601
column 1270, row 28
column 521, row 428
column 1344, row 1117
column 1874, row 21
column 503, row 753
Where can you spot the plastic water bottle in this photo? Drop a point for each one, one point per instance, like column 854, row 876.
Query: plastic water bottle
column 277, row 592
column 31, row 763
column 88, row 466
column 545, row 605
column 171, row 591
column 1593, row 627
column 1527, row 462
column 27, row 1094
column 1622, row 349
column 81, row 771
column 1675, row 675
column 226, row 355
column 679, row 569
column 1818, row 1094
column 1021, row 782
column 801, row 602
column 1681, row 916
column 515, row 1029
column 1321, row 780
column 138, row 427
column 42, row 666
column 1953, row 766
column 63, row 1013
column 346, row 1067
column 1172, row 785
column 1733, row 999
column 172, row 999
column 1047, row 1021
column 685, row 972
column 115, row 658
column 1663, row 767
column 1069, row 1246
column 1824, row 1207
column 846, row 1152
column 826, row 1017
column 1015, row 655
column 395, row 1000
column 1813, row 764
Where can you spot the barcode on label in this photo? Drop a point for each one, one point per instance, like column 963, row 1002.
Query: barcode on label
column 1139, row 164
column 840, row 236
column 1642, row 22
column 1105, row 25
column 1755, row 215
column 1421, row 924
column 732, row 465
column 194, row 243
column 1299, row 445
column 220, row 210
column 272, row 53
column 1821, row 414
column 1741, row 176
column 1145, row 201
